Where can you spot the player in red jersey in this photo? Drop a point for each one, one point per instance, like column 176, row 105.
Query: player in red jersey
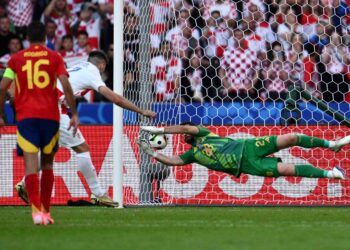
column 35, row 71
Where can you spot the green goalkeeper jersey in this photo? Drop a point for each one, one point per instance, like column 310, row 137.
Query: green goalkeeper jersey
column 214, row 152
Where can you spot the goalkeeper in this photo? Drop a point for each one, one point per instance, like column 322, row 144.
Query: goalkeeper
column 247, row 156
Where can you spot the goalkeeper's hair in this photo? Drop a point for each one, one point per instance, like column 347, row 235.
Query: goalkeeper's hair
column 97, row 57
column 188, row 123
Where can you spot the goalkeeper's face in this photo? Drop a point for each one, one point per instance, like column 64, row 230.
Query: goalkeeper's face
column 189, row 139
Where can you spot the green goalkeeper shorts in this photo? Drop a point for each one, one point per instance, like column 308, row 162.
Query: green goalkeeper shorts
column 254, row 160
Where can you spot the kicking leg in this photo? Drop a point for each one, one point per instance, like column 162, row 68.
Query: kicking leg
column 285, row 169
column 86, row 167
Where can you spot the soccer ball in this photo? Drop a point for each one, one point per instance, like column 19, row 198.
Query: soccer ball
column 158, row 141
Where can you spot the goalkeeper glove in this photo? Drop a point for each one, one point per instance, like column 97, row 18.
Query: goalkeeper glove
column 152, row 130
column 146, row 148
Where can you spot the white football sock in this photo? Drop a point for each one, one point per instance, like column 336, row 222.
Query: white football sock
column 332, row 144
column 88, row 170
column 330, row 174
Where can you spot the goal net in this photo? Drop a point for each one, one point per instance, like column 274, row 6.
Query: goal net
column 242, row 69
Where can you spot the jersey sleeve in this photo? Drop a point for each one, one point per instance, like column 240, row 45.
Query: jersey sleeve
column 202, row 131
column 188, row 157
column 94, row 78
column 10, row 71
column 61, row 68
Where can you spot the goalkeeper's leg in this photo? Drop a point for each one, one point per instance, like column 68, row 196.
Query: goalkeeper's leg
column 306, row 170
column 292, row 139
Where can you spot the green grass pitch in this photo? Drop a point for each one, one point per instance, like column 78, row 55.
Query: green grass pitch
column 178, row 228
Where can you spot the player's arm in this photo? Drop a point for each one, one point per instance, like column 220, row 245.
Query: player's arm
column 49, row 9
column 68, row 92
column 124, row 103
column 170, row 161
column 5, row 83
column 177, row 129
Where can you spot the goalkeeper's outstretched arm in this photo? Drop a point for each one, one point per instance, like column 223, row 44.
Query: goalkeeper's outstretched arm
column 177, row 129
column 170, row 161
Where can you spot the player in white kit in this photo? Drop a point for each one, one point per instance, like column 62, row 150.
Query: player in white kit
column 83, row 77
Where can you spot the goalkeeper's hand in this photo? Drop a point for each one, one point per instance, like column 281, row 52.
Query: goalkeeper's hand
column 152, row 130
column 146, row 148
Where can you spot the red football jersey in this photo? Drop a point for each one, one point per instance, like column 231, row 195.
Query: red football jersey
column 36, row 69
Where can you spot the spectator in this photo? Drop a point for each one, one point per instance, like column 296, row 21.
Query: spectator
column 191, row 82
column 130, row 7
column 131, row 54
column 3, row 11
column 107, row 7
column 52, row 42
column 341, row 16
column 20, row 13
column 295, row 56
column 287, row 29
column 15, row 45
column 181, row 35
column 310, row 16
column 5, row 35
column 82, row 47
column 254, row 41
column 165, row 73
column 161, row 12
column 74, row 6
column 335, row 57
column 239, row 70
column 311, row 74
column 67, row 46
column 318, row 40
column 226, row 8
column 215, row 36
column 276, row 81
column 59, row 12
column 89, row 21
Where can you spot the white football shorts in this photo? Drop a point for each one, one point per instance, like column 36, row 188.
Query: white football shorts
column 66, row 136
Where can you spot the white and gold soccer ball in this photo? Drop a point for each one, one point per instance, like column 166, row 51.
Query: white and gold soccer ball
column 158, row 141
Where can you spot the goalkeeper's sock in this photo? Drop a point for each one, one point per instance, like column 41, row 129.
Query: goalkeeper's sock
column 312, row 142
column 46, row 185
column 32, row 186
column 88, row 170
column 310, row 171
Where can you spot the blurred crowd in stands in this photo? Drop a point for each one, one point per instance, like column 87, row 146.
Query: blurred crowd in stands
column 201, row 50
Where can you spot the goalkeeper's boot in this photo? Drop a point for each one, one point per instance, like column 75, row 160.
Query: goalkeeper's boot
column 47, row 219
column 37, row 218
column 22, row 192
column 103, row 200
column 341, row 143
column 338, row 173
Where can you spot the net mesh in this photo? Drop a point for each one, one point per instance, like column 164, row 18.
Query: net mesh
column 243, row 69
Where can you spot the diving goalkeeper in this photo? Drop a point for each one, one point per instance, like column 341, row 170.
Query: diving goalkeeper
column 247, row 156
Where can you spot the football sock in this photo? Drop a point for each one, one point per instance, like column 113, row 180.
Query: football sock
column 310, row 171
column 46, row 185
column 32, row 186
column 88, row 170
column 312, row 142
